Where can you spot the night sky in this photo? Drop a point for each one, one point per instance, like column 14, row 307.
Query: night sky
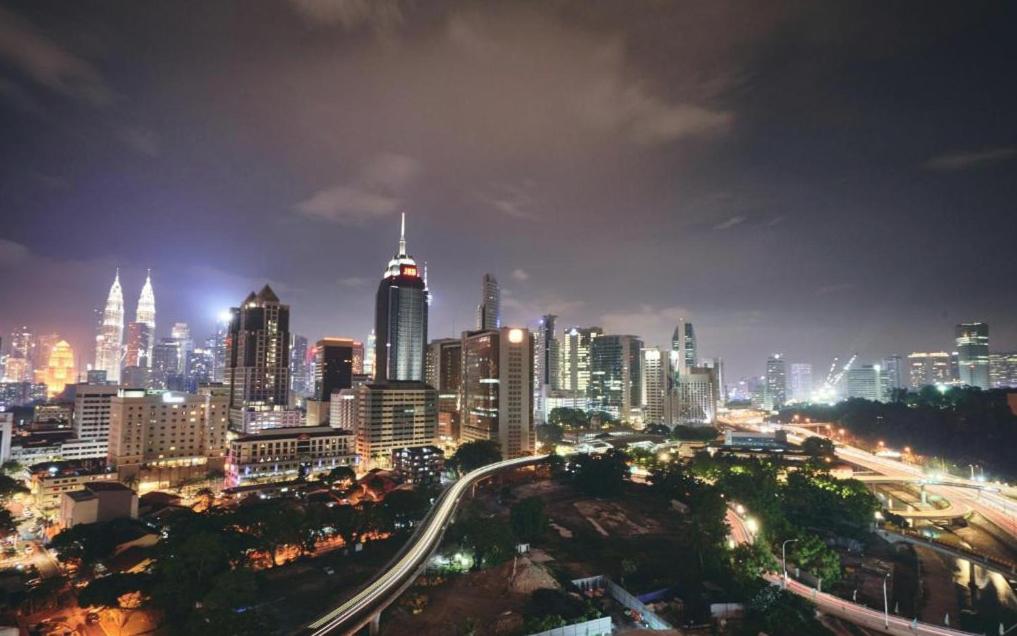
column 810, row 178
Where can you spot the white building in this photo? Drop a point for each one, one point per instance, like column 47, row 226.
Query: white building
column 656, row 373
column 284, row 454
column 801, row 381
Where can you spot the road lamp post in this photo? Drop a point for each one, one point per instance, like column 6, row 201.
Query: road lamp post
column 783, row 558
column 886, row 604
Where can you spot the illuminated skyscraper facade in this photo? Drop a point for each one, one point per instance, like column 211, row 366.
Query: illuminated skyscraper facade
column 655, row 368
column 400, row 319
column 615, row 376
column 776, row 382
column 145, row 314
column 110, row 337
column 257, row 354
column 574, row 359
column 489, row 309
column 973, row 354
column 60, row 371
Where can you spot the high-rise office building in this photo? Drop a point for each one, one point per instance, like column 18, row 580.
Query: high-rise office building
column 60, row 370
column 545, row 365
column 497, row 384
column 110, row 336
column 19, row 364
column 369, row 355
column 139, row 346
column 199, row 368
column 145, row 314
column 865, row 382
column 929, row 369
column 257, row 355
column 91, row 413
column 655, row 385
column 801, row 381
column 216, row 343
column 445, row 374
column 695, row 396
column 489, row 309
column 43, row 347
column 336, row 361
column 165, row 363
column 301, row 382
column 400, row 319
column 393, row 415
column 683, row 342
column 973, row 354
column 181, row 332
column 1003, row 370
column 776, row 382
column 574, row 359
column 615, row 375
column 166, row 438
column 892, row 374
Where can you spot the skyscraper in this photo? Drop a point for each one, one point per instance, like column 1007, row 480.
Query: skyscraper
column 335, row 363
column 801, row 381
column 892, row 375
column 217, row 345
column 656, row 374
column 497, row 381
column 973, row 354
column 776, row 382
column 369, row 355
column 139, row 345
column 865, row 382
column 181, row 332
column 145, row 314
column 1003, row 370
column 683, row 344
column 60, row 371
column 110, row 336
column 257, row 354
column 615, row 375
column 300, row 376
column 445, row 374
column 489, row 309
column 929, row 368
column 19, row 364
column 400, row 319
column 574, row 359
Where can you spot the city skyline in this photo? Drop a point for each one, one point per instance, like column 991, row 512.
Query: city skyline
column 708, row 165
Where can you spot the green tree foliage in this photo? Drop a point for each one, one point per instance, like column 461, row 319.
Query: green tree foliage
column 491, row 542
column 751, row 560
column 10, row 487
column 8, row 525
column 815, row 557
column 779, row 613
column 964, row 423
column 341, row 477
column 567, row 418
column 818, row 447
column 550, row 433
column 548, row 608
column 473, row 455
column 108, row 591
column 529, row 521
column 600, row 475
column 405, row 507
column 657, row 429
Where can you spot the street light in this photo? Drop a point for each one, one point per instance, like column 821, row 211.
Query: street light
column 886, row 604
column 783, row 558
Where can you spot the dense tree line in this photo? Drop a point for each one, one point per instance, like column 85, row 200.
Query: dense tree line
column 205, row 575
column 963, row 424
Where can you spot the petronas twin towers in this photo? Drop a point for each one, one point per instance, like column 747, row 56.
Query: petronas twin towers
column 109, row 341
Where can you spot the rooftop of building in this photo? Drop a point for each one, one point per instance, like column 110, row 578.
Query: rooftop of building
column 108, row 486
column 70, row 468
column 291, row 431
column 80, row 495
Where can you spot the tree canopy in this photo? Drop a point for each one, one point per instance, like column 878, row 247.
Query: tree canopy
column 473, row 455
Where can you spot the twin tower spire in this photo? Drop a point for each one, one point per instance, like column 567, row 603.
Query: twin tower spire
column 109, row 341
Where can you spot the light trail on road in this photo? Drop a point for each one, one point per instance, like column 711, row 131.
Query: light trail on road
column 390, row 583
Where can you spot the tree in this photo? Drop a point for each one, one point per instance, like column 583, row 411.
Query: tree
column 473, row 455
column 550, row 433
column 566, row 417
column 10, row 487
column 341, row 477
column 601, row 475
column 490, row 541
column 694, row 433
column 814, row 446
column 8, row 525
column 205, row 497
column 404, row 507
column 751, row 561
column 812, row 555
column 85, row 544
column 529, row 521
column 779, row 613
column 657, row 429
column 117, row 591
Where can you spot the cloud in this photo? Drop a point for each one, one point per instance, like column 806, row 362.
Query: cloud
column 381, row 15
column 730, row 223
column 520, row 274
column 144, row 141
column 49, row 65
column 648, row 322
column 513, row 201
column 12, row 253
column 352, row 281
column 373, row 193
column 956, row 162
column 834, row 288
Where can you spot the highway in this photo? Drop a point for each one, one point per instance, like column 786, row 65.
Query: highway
column 386, row 587
column 854, row 613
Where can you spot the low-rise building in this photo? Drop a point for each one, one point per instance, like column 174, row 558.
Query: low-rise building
column 98, row 502
column 419, row 464
column 286, row 453
column 50, row 480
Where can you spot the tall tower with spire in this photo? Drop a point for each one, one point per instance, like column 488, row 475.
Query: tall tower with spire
column 400, row 324
column 146, row 314
column 109, row 339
